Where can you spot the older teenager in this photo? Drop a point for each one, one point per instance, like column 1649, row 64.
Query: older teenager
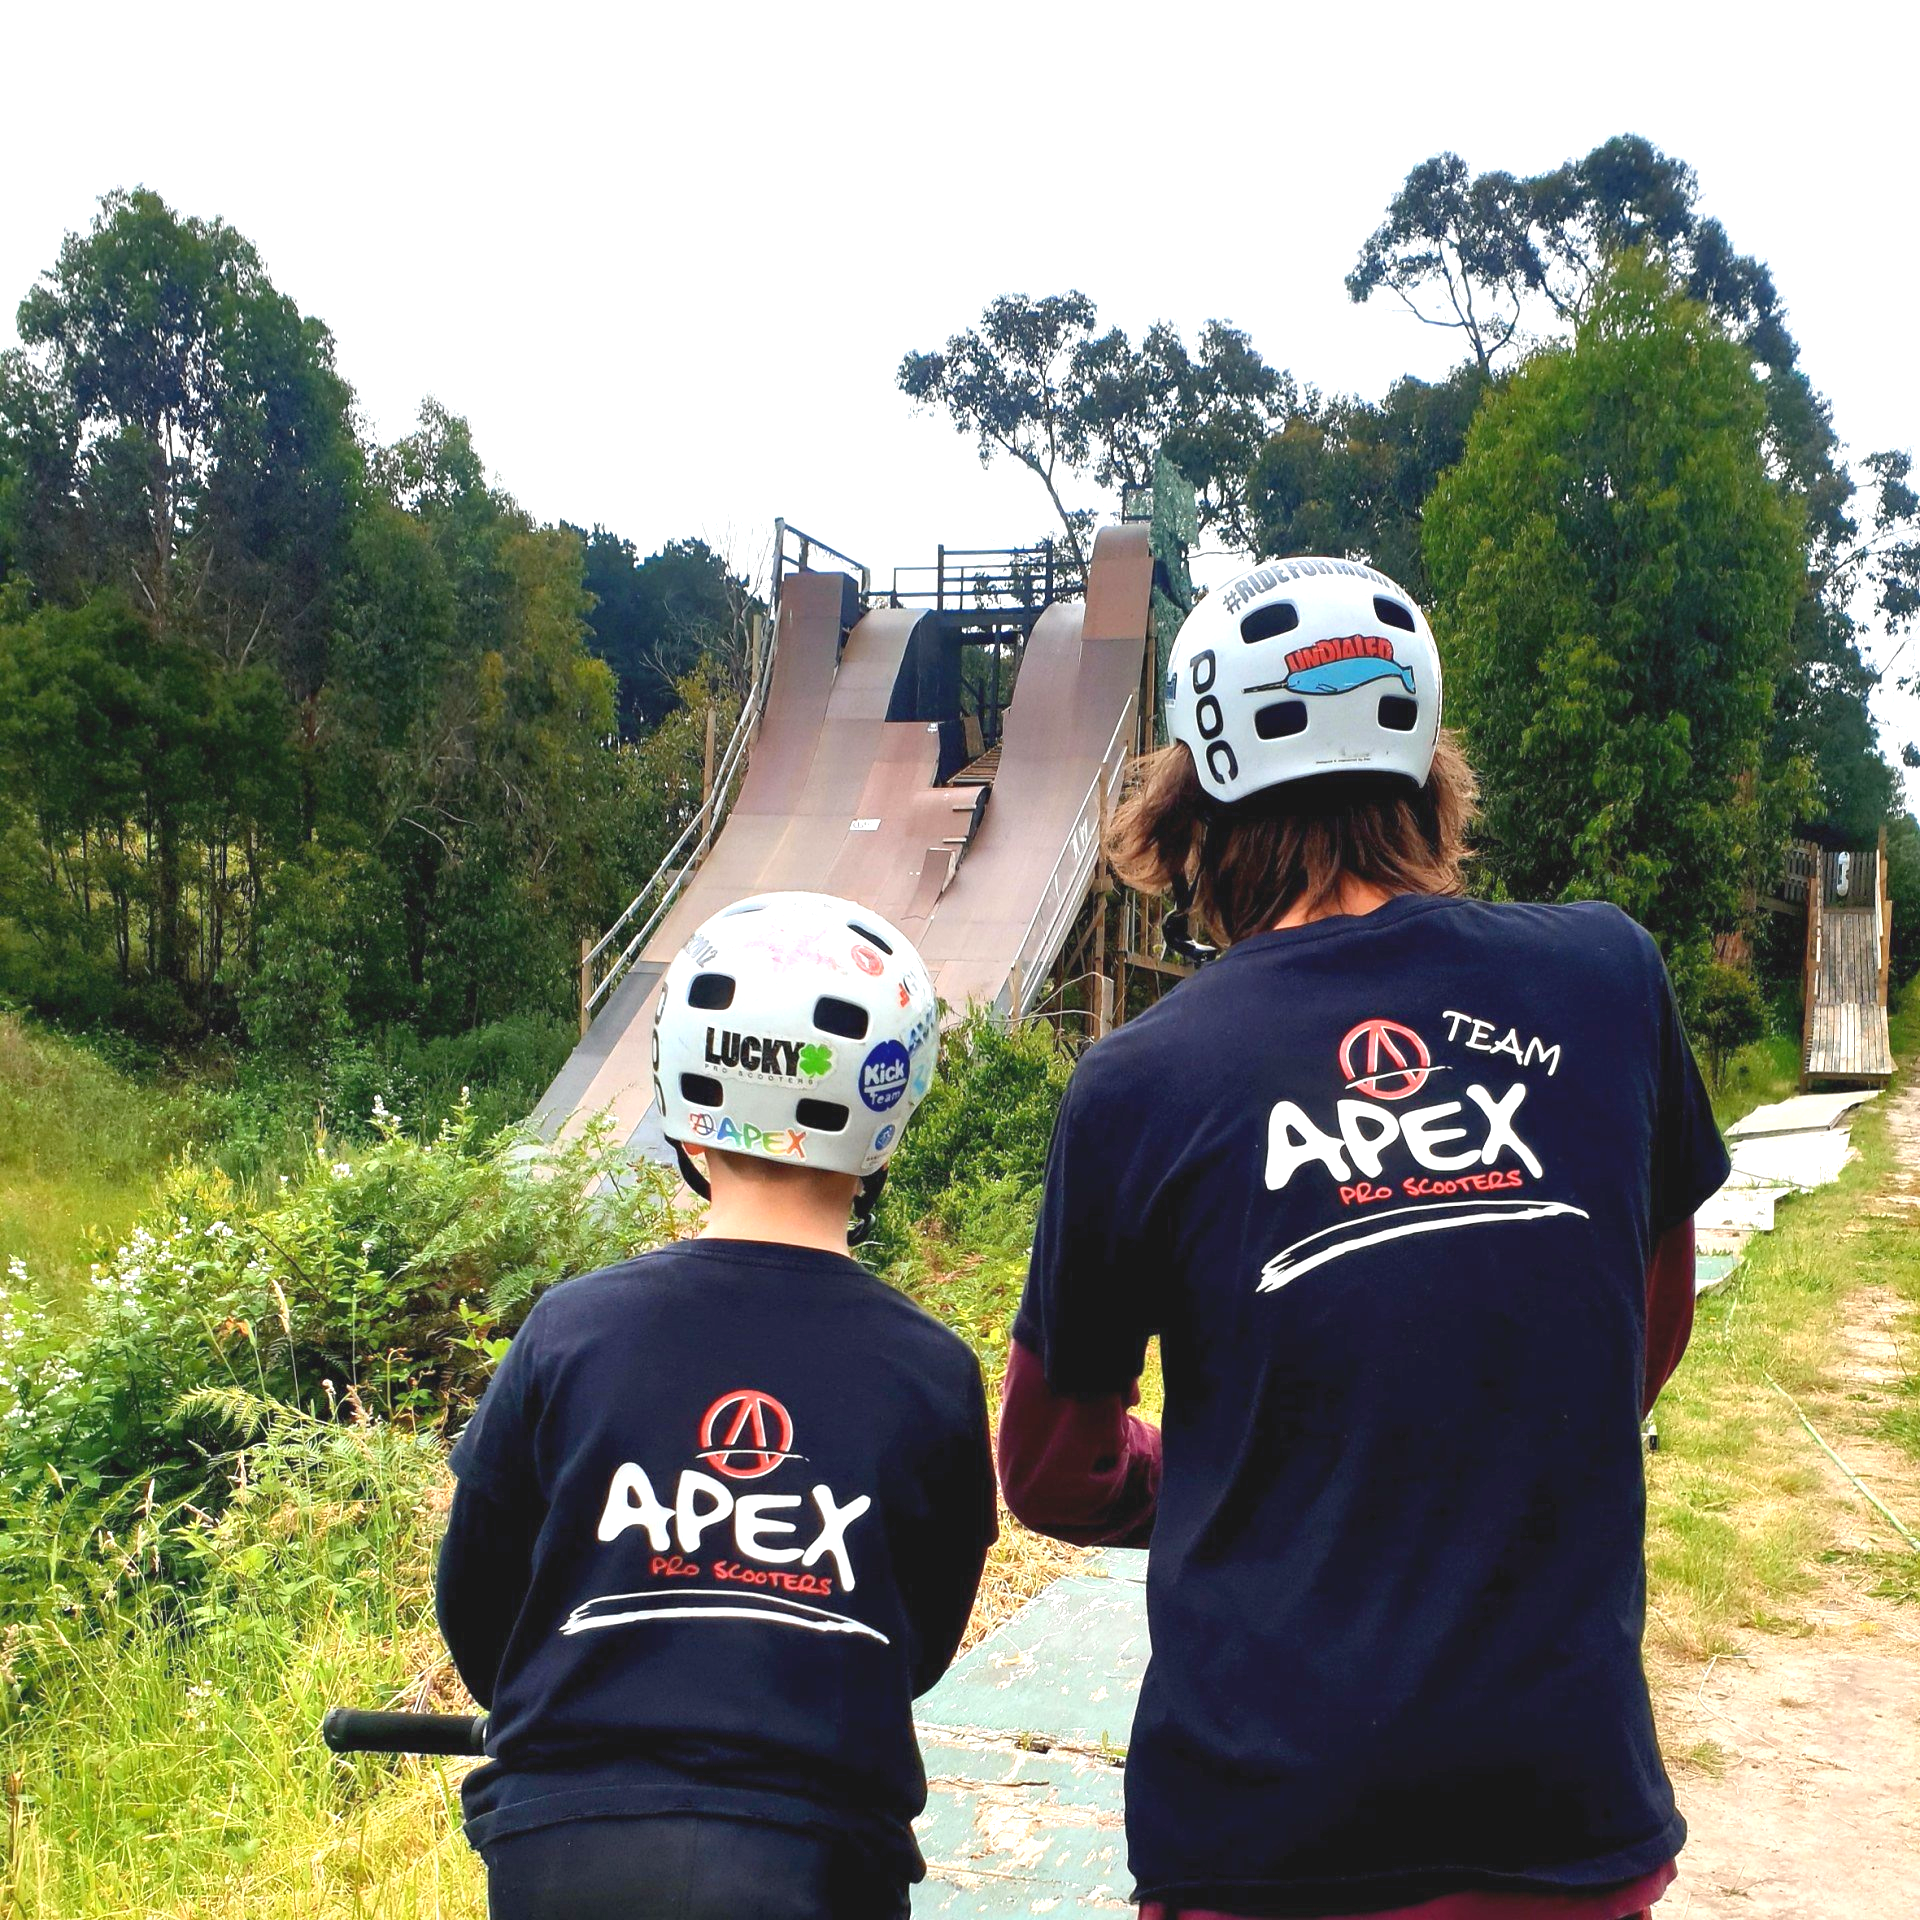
column 1404, row 1183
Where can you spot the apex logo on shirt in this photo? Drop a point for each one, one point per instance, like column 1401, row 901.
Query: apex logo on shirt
column 749, row 1571
column 746, row 1434
column 1385, row 1059
column 1474, row 1145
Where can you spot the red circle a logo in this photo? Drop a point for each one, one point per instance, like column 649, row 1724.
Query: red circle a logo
column 1385, row 1059
column 746, row 1434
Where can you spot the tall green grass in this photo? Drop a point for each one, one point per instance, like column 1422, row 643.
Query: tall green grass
column 166, row 1695
column 82, row 1147
column 1760, row 1073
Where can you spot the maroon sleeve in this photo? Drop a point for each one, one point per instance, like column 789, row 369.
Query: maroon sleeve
column 1081, row 1468
column 1669, row 1307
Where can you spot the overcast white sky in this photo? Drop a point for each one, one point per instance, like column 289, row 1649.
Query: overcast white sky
column 666, row 259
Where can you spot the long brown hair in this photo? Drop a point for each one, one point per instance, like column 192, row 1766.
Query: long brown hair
column 1294, row 845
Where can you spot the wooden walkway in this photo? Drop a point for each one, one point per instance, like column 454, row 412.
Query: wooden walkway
column 1847, row 1021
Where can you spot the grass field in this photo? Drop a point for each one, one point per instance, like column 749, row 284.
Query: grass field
column 1757, row 1075
column 1742, row 1504
column 82, row 1146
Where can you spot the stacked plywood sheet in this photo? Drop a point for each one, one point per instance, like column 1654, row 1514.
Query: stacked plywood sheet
column 1777, row 1150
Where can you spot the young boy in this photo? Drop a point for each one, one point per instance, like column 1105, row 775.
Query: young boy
column 723, row 1509
column 1404, row 1182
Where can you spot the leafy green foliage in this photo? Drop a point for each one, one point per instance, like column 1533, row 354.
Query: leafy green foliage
column 166, row 1664
column 1903, row 888
column 1035, row 383
column 1617, row 576
column 1490, row 255
column 1728, row 1012
column 1346, row 476
column 297, row 735
column 661, row 620
column 393, row 1276
column 1479, row 246
column 83, row 1140
column 956, row 1220
column 1008, row 385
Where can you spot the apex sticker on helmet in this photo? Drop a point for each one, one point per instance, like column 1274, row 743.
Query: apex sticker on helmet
column 784, row 1143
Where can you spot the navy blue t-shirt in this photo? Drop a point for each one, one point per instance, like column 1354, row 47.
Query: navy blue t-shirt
column 1387, row 1188
column 721, row 1515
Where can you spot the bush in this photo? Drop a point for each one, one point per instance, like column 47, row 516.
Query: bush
column 987, row 1118
column 267, row 1112
column 393, row 1279
column 1727, row 1012
column 956, row 1221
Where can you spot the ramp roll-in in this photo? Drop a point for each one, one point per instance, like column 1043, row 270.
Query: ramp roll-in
column 985, row 877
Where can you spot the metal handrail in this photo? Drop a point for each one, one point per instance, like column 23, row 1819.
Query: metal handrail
column 1028, row 578
column 808, row 542
column 1065, row 901
column 704, row 825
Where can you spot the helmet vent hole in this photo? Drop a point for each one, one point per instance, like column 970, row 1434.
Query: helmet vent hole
column 1277, row 616
column 744, row 906
column 1393, row 613
column 823, row 1116
column 867, row 934
column 711, row 991
column 701, row 1090
column 1398, row 714
column 1284, row 717
column 841, row 1017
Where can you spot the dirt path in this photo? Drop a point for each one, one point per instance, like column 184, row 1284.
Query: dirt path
column 1812, row 1809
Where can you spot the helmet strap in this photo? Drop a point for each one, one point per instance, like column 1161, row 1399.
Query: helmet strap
column 690, row 1171
column 864, row 1203
column 1177, row 928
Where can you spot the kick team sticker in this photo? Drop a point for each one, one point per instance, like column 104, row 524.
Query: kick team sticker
column 884, row 1075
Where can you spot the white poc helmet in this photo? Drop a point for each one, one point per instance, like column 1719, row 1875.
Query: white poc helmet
column 795, row 1027
column 1304, row 667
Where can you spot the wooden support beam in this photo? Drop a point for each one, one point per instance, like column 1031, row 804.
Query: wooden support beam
column 1885, row 903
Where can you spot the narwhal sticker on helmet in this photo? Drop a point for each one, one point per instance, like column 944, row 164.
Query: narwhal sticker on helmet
column 1338, row 666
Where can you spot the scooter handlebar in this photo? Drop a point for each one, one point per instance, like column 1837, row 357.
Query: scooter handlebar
column 349, row 1730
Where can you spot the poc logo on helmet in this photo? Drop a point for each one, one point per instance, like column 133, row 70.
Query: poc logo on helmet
column 1207, row 716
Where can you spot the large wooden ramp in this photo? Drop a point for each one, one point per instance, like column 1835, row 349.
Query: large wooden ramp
column 837, row 798
column 1849, row 951
column 1847, row 1035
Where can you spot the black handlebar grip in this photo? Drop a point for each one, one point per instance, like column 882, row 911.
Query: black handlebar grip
column 349, row 1730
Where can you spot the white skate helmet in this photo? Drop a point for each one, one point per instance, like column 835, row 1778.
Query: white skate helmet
column 1304, row 667
column 797, row 1028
